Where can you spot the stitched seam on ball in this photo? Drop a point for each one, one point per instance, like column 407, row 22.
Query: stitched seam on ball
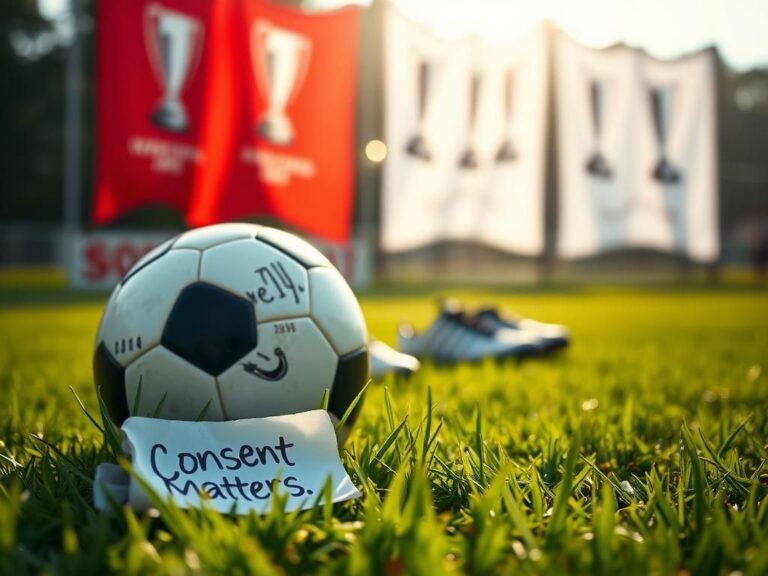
column 143, row 353
column 297, row 316
column 222, row 243
column 125, row 375
column 276, row 246
column 224, row 415
column 325, row 336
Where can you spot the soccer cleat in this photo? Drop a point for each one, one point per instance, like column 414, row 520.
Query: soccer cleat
column 456, row 337
column 386, row 360
column 550, row 336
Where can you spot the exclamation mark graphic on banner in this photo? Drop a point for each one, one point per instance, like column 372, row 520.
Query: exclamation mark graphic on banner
column 174, row 43
column 281, row 61
column 507, row 151
column 417, row 146
column 469, row 158
column 597, row 164
column 661, row 108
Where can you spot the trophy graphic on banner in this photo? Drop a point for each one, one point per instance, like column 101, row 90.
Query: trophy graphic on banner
column 469, row 157
column 417, row 146
column 597, row 164
column 281, row 61
column 507, row 151
column 661, row 98
column 174, row 43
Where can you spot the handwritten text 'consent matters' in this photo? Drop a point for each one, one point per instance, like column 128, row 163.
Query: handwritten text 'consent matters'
column 178, row 471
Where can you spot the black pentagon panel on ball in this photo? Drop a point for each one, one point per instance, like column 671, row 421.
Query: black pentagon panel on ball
column 210, row 327
column 148, row 258
column 352, row 373
column 109, row 377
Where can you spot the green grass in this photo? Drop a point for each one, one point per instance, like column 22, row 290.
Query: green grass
column 640, row 450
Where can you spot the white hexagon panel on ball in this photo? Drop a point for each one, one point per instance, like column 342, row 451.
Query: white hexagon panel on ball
column 288, row 371
column 210, row 236
column 181, row 391
column 149, row 257
column 300, row 249
column 133, row 321
column 273, row 281
column 336, row 311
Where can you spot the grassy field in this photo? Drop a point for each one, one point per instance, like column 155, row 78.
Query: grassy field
column 640, row 450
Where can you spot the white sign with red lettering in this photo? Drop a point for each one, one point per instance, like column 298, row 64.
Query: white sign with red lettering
column 98, row 261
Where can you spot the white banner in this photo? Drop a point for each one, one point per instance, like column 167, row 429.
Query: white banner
column 235, row 465
column 465, row 127
column 637, row 152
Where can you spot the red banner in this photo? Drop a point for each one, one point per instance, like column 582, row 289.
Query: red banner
column 226, row 110
column 153, row 64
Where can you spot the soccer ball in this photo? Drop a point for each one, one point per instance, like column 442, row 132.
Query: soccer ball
column 227, row 322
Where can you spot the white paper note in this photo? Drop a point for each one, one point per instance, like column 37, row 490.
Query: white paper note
column 233, row 465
